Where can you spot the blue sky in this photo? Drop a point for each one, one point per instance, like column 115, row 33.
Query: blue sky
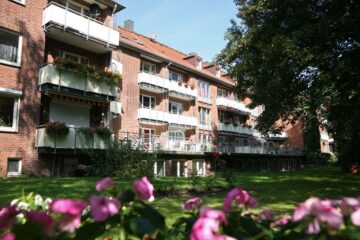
column 186, row 25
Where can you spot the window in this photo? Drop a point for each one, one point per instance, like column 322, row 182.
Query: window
column 205, row 118
column 176, row 108
column 147, row 102
column 74, row 57
column 204, row 89
column 198, row 64
column 9, row 109
column 10, row 48
column 148, row 67
column 199, row 167
column 78, row 8
column 222, row 93
column 221, row 116
column 176, row 138
column 175, row 76
column 218, row 73
column 13, row 167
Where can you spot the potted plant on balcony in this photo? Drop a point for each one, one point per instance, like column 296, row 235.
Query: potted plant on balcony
column 192, row 85
column 103, row 132
column 86, row 131
column 235, row 124
column 56, row 128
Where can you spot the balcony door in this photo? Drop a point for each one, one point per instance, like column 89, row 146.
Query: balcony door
column 148, row 138
column 147, row 102
column 74, row 115
column 176, row 140
column 176, row 108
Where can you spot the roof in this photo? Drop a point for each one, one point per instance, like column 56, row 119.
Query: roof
column 166, row 53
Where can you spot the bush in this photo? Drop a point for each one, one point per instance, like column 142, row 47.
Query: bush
column 123, row 159
column 194, row 181
column 230, row 177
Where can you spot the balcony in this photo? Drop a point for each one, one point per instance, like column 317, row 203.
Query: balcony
column 234, row 129
column 153, row 116
column 153, row 83
column 278, row 136
column 205, row 127
column 234, row 105
column 157, row 84
column 263, row 148
column 74, row 141
column 69, row 82
column 181, row 120
column 73, row 28
column 181, row 92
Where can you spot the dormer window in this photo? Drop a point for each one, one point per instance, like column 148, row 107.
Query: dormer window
column 198, row 64
column 218, row 73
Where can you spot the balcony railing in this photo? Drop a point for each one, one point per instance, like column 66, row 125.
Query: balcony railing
column 67, row 79
column 279, row 136
column 155, row 83
column 235, row 129
column 84, row 25
column 227, row 103
column 183, row 120
column 74, row 140
column 153, row 115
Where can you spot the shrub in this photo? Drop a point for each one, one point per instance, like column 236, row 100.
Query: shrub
column 103, row 132
column 194, row 181
column 56, row 128
column 230, row 177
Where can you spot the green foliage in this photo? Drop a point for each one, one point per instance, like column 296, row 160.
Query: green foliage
column 103, row 132
column 123, row 159
column 230, row 177
column 194, row 181
column 300, row 59
column 56, row 128
column 210, row 181
column 165, row 187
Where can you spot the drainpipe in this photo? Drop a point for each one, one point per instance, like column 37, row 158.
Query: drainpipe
column 167, row 93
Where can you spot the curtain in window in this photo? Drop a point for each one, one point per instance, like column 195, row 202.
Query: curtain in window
column 8, row 46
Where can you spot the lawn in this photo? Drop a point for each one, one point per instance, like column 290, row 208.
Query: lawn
column 277, row 191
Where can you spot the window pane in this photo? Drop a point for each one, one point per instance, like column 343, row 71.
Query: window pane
column 153, row 103
column 6, row 111
column 9, row 46
column 13, row 165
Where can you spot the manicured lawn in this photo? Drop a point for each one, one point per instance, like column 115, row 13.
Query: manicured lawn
column 277, row 191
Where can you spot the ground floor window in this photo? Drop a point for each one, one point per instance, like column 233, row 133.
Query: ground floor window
column 160, row 169
column 9, row 109
column 199, row 167
column 13, row 167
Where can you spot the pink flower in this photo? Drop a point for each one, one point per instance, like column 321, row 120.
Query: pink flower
column 192, row 204
column 144, row 189
column 267, row 215
column 104, row 183
column 349, row 204
column 282, row 221
column 314, row 227
column 103, row 207
column 43, row 219
column 9, row 236
column 7, row 216
column 329, row 215
column 204, row 228
column 241, row 197
column 71, row 212
column 206, row 212
column 355, row 218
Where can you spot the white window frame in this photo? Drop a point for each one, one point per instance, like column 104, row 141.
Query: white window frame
column 153, row 66
column 207, row 91
column 218, row 73
column 19, row 50
column 13, row 174
column 198, row 64
column 80, row 57
column 222, row 93
column 179, row 106
column 207, row 120
column 6, row 92
column 200, row 167
column 180, row 77
column 150, row 101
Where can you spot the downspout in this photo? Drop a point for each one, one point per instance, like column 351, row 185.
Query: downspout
column 167, row 93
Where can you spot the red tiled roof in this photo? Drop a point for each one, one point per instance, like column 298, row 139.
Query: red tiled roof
column 154, row 47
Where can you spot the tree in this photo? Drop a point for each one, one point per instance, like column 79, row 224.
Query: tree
column 302, row 60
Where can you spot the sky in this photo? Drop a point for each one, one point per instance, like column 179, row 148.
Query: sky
column 186, row 25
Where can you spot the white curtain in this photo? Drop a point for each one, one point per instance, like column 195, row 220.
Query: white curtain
column 8, row 46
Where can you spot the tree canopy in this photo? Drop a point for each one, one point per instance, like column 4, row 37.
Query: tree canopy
column 301, row 59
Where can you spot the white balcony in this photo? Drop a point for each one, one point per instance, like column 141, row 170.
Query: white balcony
column 204, row 100
column 153, row 83
column 234, row 129
column 69, row 26
column 235, row 105
column 153, row 116
column 73, row 141
column 205, row 127
column 278, row 136
column 55, row 79
column 182, row 120
column 181, row 91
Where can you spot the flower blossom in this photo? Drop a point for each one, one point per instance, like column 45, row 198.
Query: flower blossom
column 7, row 216
column 322, row 211
column 218, row 215
column 9, row 236
column 241, row 197
column 103, row 207
column 43, row 219
column 71, row 212
column 104, row 183
column 192, row 204
column 267, row 215
column 144, row 189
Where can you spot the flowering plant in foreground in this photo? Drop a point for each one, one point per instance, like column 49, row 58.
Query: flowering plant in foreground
column 110, row 213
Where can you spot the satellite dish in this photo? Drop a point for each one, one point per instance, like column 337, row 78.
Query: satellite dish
column 95, row 10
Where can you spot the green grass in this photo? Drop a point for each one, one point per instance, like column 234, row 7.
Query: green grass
column 277, row 191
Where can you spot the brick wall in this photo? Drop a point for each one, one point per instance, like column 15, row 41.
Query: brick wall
column 25, row 20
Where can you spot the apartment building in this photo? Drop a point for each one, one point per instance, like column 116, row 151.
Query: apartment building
column 57, row 64
column 67, row 76
column 184, row 107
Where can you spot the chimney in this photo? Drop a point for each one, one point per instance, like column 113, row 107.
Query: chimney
column 129, row 25
column 153, row 36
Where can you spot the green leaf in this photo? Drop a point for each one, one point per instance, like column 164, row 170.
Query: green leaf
column 90, row 231
column 141, row 226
